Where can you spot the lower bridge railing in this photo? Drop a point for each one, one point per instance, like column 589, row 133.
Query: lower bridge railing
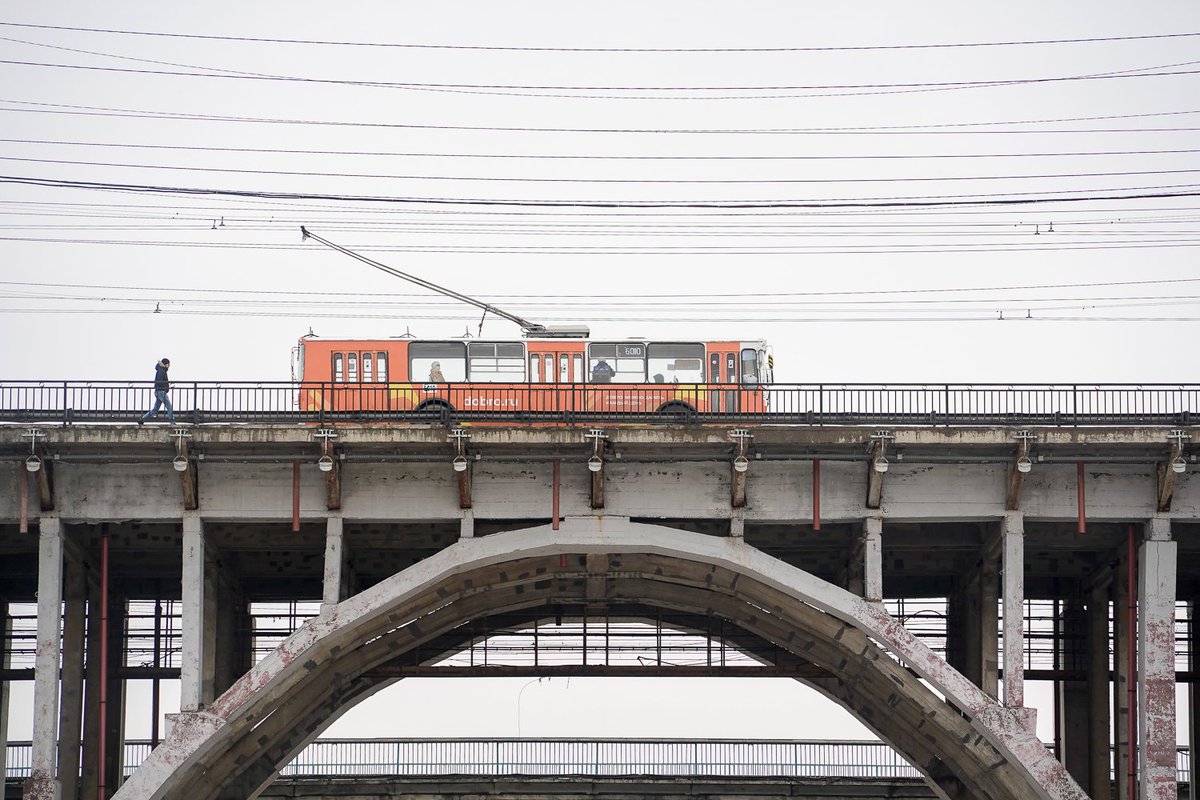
column 580, row 757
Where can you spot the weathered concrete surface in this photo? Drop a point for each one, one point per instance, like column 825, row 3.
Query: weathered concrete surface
column 1156, row 661
column 43, row 781
column 285, row 669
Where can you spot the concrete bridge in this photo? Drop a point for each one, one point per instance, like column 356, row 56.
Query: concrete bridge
column 805, row 541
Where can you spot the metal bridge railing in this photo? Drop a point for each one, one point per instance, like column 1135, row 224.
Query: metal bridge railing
column 804, row 404
column 581, row 757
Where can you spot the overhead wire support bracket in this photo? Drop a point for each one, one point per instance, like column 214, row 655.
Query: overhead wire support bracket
column 529, row 328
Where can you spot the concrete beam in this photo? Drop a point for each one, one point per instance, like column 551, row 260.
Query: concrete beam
column 1156, row 661
column 43, row 777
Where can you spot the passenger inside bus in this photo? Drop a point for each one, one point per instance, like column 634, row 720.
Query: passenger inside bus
column 603, row 372
column 658, row 377
column 435, row 373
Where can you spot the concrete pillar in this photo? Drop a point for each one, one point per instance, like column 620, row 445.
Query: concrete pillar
column 191, row 690
column 5, row 662
column 1072, row 696
column 1156, row 661
column 872, row 559
column 1012, row 531
column 466, row 528
column 209, row 617
column 114, row 719
column 335, row 560
column 1193, row 696
column 43, row 782
column 91, row 700
column 1099, row 783
column 70, row 721
column 989, row 624
column 231, row 643
column 1122, row 644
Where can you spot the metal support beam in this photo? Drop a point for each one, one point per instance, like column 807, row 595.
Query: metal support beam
column 462, row 466
column 596, row 465
column 1099, row 784
column 1123, row 642
column 185, row 465
column 331, row 467
column 739, row 467
column 1019, row 468
column 876, row 467
column 1170, row 469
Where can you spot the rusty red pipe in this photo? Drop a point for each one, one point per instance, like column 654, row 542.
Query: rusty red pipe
column 23, row 480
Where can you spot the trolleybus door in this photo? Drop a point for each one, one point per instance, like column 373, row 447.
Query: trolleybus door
column 722, row 372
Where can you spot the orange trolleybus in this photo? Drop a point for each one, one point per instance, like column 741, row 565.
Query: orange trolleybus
column 536, row 376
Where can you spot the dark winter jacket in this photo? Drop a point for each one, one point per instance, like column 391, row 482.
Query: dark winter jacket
column 161, row 384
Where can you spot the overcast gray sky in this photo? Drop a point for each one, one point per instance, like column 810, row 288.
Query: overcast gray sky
column 521, row 120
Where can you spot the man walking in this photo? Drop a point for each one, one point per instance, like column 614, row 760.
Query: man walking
column 161, row 387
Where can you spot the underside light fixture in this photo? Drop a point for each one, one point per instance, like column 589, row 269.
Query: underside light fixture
column 1024, row 464
column 595, row 464
column 1178, row 465
column 881, row 464
column 741, row 464
column 180, row 463
column 33, row 463
column 459, row 463
column 325, row 463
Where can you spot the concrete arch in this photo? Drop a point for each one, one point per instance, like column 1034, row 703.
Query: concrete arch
column 988, row 752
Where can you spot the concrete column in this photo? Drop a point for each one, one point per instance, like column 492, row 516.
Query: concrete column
column 191, row 696
column 1099, row 784
column 989, row 624
column 1193, row 696
column 114, row 720
column 1122, row 642
column 208, row 626
column 335, row 561
column 466, row 528
column 92, row 725
column 231, row 656
column 70, row 721
column 43, row 783
column 1156, row 661
column 1074, row 701
column 5, row 661
column 872, row 559
column 1012, row 529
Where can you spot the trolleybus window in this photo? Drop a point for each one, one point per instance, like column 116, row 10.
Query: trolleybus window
column 626, row 360
column 351, row 367
column 676, row 363
column 368, row 368
column 496, row 362
column 338, row 374
column 535, row 368
column 750, row 366
column 381, row 371
column 450, row 359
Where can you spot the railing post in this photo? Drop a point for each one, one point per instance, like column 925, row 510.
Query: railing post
column 66, row 417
